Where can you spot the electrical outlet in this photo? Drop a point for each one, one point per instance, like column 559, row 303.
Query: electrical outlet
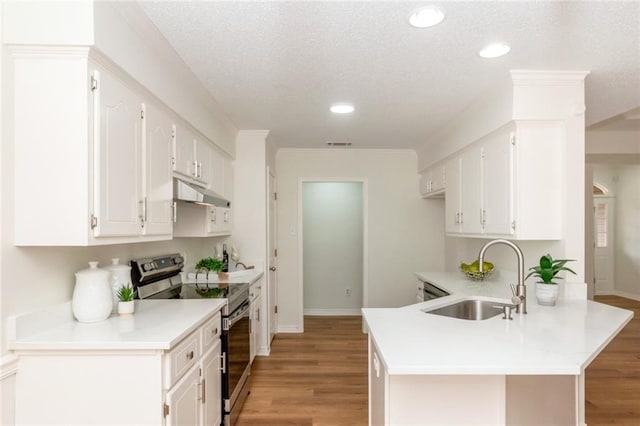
column 348, row 291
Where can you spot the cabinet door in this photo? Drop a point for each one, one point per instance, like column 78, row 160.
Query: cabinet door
column 217, row 172
column 254, row 316
column 184, row 400
column 378, row 388
column 183, row 152
column 158, row 191
column 211, row 397
column 452, row 196
column 118, row 165
column 215, row 221
column 203, row 161
column 438, row 178
column 497, row 185
column 471, row 190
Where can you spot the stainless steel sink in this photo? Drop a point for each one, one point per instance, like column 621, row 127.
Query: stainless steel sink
column 473, row 309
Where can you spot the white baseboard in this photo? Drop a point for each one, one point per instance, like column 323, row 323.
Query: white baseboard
column 289, row 329
column 8, row 366
column 626, row 295
column 333, row 312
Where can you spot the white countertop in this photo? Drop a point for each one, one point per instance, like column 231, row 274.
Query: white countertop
column 561, row 339
column 155, row 325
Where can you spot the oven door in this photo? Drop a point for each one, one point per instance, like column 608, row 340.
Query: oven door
column 238, row 358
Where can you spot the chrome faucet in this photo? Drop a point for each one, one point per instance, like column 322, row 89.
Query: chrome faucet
column 244, row 266
column 519, row 291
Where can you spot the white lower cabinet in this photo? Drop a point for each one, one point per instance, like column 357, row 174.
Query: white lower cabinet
column 257, row 317
column 181, row 386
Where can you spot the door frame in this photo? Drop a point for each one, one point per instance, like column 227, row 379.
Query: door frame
column 365, row 238
column 272, row 293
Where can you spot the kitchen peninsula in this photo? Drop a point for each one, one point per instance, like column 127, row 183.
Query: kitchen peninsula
column 429, row 369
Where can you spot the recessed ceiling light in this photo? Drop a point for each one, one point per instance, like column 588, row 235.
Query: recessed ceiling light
column 426, row 17
column 338, row 143
column 342, row 108
column 494, row 50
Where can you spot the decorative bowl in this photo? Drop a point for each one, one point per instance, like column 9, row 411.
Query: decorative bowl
column 477, row 275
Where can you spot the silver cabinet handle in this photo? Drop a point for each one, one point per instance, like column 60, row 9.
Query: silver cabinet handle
column 273, row 268
column 204, row 391
column 190, row 355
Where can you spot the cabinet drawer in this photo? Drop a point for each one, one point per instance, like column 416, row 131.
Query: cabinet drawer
column 255, row 290
column 179, row 359
column 211, row 332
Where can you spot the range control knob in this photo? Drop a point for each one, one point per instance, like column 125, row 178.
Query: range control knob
column 148, row 267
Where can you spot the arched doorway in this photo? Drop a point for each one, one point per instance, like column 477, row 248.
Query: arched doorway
column 603, row 237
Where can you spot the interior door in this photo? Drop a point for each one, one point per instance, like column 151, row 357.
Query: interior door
column 603, row 223
column 272, row 279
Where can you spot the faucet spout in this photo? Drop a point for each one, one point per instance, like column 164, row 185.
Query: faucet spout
column 519, row 291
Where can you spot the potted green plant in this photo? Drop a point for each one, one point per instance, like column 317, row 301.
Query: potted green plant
column 125, row 299
column 211, row 264
column 546, row 271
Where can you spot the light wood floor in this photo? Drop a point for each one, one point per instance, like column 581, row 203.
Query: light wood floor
column 613, row 378
column 320, row 377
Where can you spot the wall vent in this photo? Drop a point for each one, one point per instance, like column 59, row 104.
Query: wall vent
column 338, row 143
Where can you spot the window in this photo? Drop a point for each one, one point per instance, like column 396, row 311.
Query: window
column 601, row 224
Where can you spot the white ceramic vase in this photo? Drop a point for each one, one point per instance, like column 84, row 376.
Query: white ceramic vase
column 120, row 276
column 92, row 300
column 547, row 294
column 126, row 308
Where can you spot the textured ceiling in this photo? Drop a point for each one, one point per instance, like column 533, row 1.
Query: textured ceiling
column 279, row 65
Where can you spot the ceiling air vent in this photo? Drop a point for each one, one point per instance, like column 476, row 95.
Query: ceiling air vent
column 338, row 143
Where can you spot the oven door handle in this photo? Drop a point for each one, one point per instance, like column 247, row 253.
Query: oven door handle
column 238, row 314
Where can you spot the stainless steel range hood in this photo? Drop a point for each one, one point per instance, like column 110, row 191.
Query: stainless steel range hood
column 192, row 193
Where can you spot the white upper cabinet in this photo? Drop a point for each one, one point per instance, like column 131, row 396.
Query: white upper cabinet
column 507, row 184
column 109, row 142
column 471, row 191
column 159, row 133
column 118, row 150
column 133, row 143
column 497, row 190
column 433, row 181
column 462, row 201
column 191, row 156
column 453, row 200
column 221, row 176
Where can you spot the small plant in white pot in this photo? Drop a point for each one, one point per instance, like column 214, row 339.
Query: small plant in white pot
column 547, row 271
column 125, row 300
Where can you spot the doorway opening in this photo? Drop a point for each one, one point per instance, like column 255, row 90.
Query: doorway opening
column 333, row 241
column 603, row 237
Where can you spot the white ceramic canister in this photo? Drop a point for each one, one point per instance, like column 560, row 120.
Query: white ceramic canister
column 92, row 300
column 120, row 276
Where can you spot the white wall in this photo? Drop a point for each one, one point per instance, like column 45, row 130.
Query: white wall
column 250, row 195
column 623, row 183
column 405, row 232
column 333, row 247
column 627, row 245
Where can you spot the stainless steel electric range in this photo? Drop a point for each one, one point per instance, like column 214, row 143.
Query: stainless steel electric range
column 159, row 278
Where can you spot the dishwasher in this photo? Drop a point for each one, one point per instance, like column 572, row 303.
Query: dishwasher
column 431, row 291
